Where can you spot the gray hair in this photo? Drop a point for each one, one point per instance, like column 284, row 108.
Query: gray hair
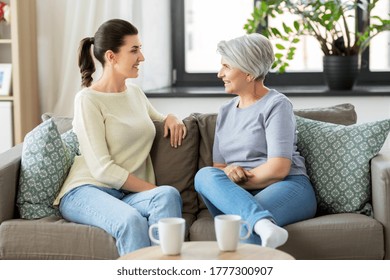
column 252, row 54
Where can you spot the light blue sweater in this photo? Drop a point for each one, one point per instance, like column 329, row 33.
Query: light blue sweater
column 266, row 129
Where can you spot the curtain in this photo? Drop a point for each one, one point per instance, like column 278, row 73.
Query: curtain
column 61, row 24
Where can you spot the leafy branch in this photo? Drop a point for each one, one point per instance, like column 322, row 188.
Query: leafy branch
column 325, row 20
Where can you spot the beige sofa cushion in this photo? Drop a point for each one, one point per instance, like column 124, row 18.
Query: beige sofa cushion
column 326, row 237
column 336, row 236
column 54, row 238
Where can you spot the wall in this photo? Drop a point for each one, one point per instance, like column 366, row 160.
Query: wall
column 61, row 24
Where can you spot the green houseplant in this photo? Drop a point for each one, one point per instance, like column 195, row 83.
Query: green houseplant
column 327, row 21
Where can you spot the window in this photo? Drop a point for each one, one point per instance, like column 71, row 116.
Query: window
column 380, row 46
column 198, row 25
column 204, row 28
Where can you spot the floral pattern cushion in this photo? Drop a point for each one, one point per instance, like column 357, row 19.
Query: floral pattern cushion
column 46, row 159
column 338, row 162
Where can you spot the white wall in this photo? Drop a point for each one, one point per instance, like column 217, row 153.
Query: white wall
column 61, row 24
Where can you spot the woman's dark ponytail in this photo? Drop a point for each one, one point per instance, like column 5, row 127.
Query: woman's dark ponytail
column 86, row 64
column 109, row 36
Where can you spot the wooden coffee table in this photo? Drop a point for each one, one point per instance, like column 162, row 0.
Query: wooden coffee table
column 208, row 250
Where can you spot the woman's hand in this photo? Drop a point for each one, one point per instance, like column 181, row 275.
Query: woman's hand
column 274, row 170
column 176, row 129
column 237, row 174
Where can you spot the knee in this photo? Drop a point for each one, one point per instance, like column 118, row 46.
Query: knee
column 130, row 220
column 203, row 176
column 170, row 194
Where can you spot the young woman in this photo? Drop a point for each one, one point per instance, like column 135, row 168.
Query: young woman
column 111, row 185
column 258, row 172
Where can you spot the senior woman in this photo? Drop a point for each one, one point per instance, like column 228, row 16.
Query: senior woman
column 257, row 171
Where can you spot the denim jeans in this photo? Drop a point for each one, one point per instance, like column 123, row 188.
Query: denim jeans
column 284, row 202
column 125, row 216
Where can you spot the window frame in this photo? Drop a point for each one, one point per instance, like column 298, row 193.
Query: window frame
column 181, row 78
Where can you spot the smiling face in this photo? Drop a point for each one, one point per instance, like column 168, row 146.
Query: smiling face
column 234, row 79
column 129, row 57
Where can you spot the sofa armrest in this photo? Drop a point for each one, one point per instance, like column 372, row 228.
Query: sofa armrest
column 380, row 179
column 9, row 180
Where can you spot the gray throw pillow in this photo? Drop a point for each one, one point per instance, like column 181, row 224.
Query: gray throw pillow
column 46, row 160
column 338, row 162
column 71, row 142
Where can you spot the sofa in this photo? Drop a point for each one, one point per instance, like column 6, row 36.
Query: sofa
column 348, row 235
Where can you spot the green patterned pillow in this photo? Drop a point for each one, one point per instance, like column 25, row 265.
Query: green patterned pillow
column 71, row 142
column 338, row 162
column 45, row 163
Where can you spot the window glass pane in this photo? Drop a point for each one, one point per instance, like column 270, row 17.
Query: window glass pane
column 308, row 55
column 380, row 45
column 206, row 23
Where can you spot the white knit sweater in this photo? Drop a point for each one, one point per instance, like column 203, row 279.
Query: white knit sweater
column 115, row 132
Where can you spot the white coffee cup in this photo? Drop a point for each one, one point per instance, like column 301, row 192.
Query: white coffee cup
column 171, row 235
column 227, row 231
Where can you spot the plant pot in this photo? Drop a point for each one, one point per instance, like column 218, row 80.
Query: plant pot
column 341, row 72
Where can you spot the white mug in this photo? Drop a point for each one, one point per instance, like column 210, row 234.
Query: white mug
column 171, row 235
column 227, row 231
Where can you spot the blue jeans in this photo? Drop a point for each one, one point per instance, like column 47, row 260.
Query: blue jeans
column 125, row 216
column 284, row 202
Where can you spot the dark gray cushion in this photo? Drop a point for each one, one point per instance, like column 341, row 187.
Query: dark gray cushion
column 177, row 167
column 206, row 125
column 339, row 114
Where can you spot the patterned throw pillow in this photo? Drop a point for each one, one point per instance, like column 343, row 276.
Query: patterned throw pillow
column 45, row 163
column 338, row 162
column 71, row 142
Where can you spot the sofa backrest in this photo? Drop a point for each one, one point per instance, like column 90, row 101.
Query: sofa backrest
column 344, row 114
column 206, row 125
column 176, row 167
column 63, row 123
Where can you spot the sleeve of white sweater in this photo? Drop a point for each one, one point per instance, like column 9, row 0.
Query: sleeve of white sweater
column 89, row 126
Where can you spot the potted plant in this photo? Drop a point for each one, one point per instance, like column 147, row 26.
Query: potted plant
column 327, row 21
